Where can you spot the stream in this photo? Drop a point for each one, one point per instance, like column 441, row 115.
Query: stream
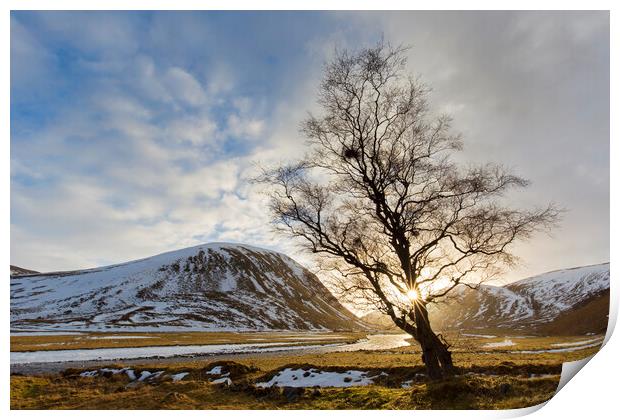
column 371, row 342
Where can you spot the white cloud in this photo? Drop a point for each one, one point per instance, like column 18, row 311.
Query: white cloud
column 184, row 87
column 198, row 130
column 250, row 128
column 221, row 78
column 143, row 163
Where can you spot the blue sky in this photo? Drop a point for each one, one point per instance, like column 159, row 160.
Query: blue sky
column 132, row 133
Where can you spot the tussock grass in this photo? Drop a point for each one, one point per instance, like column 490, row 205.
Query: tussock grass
column 474, row 392
column 482, row 383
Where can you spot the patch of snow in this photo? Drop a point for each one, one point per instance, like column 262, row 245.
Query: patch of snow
column 179, row 376
column 226, row 381
column 157, row 374
column 217, row 370
column 505, row 343
column 89, row 374
column 511, row 303
column 114, row 337
column 314, row 377
column 577, row 343
column 228, row 284
column 113, row 371
column 143, row 375
column 479, row 335
column 541, row 375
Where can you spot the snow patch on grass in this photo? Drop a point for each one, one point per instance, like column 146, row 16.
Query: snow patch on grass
column 505, row 343
column 314, row 377
column 113, row 371
column 179, row 376
column 89, row 374
column 578, row 343
column 119, row 337
column 479, row 335
column 216, row 370
column 226, row 381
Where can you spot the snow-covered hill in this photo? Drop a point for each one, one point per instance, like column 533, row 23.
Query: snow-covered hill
column 571, row 301
column 209, row 287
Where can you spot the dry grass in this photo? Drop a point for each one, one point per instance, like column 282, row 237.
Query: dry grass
column 102, row 393
column 96, row 340
column 489, row 380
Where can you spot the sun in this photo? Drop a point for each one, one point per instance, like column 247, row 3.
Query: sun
column 412, row 294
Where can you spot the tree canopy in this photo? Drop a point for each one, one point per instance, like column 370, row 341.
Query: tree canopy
column 380, row 200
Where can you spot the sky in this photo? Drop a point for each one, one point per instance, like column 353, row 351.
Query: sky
column 134, row 133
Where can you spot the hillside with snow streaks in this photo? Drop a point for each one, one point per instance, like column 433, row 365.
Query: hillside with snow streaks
column 557, row 291
column 212, row 287
column 570, row 301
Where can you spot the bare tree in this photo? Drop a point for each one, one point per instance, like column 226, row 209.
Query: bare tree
column 381, row 203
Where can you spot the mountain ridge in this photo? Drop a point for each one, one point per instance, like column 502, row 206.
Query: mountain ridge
column 571, row 301
column 538, row 304
column 217, row 286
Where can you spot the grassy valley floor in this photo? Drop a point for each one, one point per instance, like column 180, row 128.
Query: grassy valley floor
column 493, row 373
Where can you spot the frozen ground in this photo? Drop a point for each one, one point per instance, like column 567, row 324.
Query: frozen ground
column 36, row 333
column 372, row 342
column 141, row 352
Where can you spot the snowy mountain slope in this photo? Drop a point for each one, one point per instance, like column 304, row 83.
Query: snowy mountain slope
column 209, row 287
column 17, row 271
column 541, row 303
column 558, row 291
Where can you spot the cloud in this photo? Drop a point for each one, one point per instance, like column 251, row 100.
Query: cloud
column 198, row 130
column 134, row 133
column 184, row 87
column 529, row 90
column 245, row 128
column 135, row 167
column 102, row 35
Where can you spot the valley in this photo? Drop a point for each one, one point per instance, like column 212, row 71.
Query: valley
column 151, row 333
column 490, row 374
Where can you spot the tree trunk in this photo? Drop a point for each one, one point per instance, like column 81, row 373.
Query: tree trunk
column 435, row 354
